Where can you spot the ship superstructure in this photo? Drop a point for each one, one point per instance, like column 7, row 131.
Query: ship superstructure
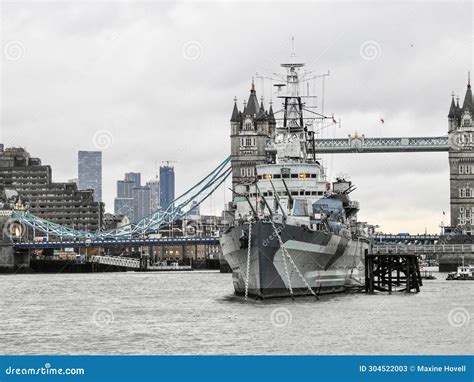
column 294, row 232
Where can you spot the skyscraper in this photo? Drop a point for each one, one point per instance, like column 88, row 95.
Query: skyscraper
column 154, row 185
column 141, row 202
column 135, row 177
column 90, row 172
column 166, row 186
column 125, row 188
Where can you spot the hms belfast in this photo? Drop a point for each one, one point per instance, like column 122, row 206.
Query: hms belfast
column 293, row 233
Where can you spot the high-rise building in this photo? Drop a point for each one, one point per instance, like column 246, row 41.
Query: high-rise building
column 134, row 177
column 154, row 194
column 90, row 172
column 61, row 203
column 123, row 203
column 125, row 188
column 166, row 186
column 141, row 202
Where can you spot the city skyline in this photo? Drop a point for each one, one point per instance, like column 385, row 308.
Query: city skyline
column 145, row 89
column 134, row 199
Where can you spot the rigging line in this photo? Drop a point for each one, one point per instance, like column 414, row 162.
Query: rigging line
column 324, row 127
column 314, row 112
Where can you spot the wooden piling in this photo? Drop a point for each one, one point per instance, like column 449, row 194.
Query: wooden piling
column 380, row 269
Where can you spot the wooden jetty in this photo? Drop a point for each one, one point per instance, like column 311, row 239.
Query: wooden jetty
column 390, row 272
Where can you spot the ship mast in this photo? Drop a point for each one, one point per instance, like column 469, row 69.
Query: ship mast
column 292, row 131
column 292, row 105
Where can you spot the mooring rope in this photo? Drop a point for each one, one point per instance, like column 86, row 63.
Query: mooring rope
column 286, row 253
column 248, row 261
column 283, row 257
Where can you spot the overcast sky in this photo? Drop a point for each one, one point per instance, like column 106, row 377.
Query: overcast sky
column 155, row 81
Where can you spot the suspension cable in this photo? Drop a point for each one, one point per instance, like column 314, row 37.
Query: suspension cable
column 200, row 190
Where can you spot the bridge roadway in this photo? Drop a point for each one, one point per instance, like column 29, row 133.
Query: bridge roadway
column 128, row 262
column 166, row 241
column 362, row 144
column 424, row 249
column 421, row 239
column 205, row 240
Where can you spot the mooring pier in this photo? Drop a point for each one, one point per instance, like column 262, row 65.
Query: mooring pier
column 392, row 272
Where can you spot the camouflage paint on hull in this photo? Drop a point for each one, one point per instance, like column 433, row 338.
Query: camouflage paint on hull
column 329, row 262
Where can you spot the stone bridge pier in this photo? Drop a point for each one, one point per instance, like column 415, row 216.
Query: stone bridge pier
column 11, row 260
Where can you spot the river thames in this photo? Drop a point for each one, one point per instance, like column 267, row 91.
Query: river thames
column 197, row 313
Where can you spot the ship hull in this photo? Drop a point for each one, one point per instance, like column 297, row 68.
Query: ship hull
column 328, row 263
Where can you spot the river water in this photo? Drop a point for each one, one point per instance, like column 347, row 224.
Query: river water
column 196, row 313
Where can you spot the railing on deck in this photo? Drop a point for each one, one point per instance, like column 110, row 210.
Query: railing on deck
column 439, row 248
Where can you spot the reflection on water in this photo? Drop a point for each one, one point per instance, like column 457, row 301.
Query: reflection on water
column 197, row 313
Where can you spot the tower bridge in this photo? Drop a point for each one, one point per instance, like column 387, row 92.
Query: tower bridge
column 248, row 149
column 361, row 144
column 119, row 242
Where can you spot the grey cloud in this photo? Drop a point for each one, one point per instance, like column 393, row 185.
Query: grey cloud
column 119, row 66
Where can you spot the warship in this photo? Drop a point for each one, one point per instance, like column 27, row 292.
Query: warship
column 293, row 232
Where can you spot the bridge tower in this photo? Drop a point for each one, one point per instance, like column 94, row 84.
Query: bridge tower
column 250, row 132
column 461, row 162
